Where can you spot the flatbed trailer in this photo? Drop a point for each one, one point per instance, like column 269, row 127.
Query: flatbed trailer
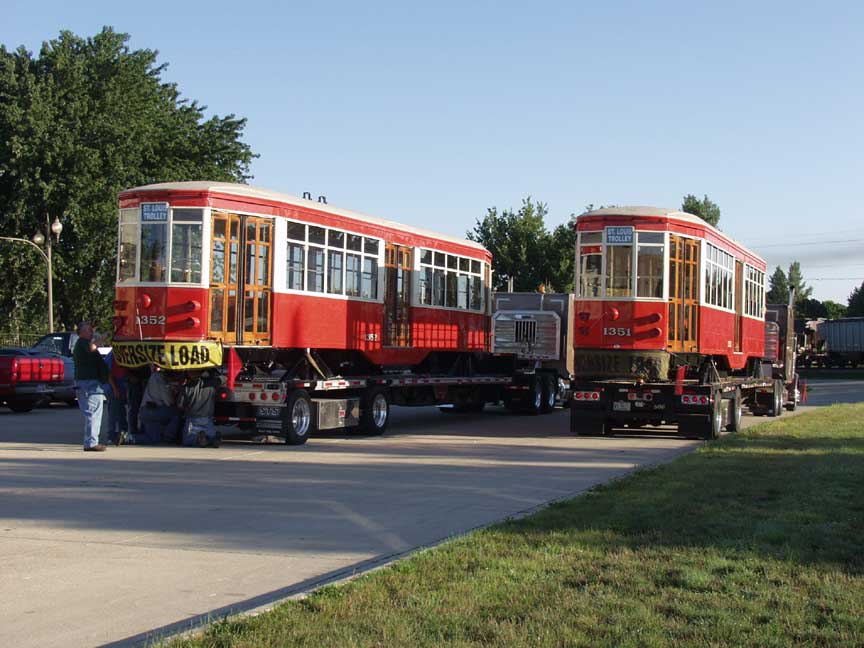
column 294, row 409
column 699, row 410
column 526, row 371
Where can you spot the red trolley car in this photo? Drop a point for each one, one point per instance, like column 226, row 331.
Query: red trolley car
column 670, row 325
column 310, row 298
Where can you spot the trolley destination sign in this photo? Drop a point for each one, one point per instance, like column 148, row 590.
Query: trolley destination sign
column 154, row 212
column 619, row 235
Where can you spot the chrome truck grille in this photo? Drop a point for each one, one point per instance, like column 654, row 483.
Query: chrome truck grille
column 531, row 335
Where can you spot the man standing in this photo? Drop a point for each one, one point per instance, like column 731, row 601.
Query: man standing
column 118, row 418
column 90, row 374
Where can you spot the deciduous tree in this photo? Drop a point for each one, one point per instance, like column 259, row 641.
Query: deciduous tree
column 834, row 310
column 519, row 243
column 80, row 121
column 705, row 209
column 856, row 302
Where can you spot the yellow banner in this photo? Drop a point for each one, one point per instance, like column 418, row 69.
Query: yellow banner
column 169, row 355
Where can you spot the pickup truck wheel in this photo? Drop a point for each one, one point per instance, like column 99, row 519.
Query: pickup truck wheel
column 22, row 407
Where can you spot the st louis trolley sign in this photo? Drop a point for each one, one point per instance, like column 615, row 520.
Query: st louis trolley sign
column 619, row 235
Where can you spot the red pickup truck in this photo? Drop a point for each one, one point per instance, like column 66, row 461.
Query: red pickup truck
column 27, row 380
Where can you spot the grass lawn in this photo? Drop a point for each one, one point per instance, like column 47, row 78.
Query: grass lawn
column 753, row 540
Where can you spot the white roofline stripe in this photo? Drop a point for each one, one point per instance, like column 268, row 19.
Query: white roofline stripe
column 249, row 191
column 663, row 212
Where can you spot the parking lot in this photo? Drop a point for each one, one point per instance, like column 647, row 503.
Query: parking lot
column 105, row 548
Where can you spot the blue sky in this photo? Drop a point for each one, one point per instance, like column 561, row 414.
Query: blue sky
column 429, row 114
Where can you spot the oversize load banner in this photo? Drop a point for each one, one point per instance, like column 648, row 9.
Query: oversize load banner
column 621, row 363
column 169, row 355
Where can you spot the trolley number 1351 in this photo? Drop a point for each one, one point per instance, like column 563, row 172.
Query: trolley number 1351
column 617, row 332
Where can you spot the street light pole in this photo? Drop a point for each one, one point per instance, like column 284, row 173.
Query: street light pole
column 38, row 239
column 47, row 261
column 52, row 230
column 50, row 279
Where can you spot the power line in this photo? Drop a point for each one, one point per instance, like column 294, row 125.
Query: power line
column 811, row 243
column 801, row 236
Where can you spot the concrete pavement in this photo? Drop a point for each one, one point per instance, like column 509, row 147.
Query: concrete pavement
column 100, row 548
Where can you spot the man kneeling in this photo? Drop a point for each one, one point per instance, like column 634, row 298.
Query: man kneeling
column 197, row 399
column 159, row 415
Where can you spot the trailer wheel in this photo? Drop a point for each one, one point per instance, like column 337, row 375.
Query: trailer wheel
column 715, row 422
column 777, row 400
column 299, row 420
column 536, row 395
column 374, row 411
column 550, row 387
column 792, row 403
column 734, row 423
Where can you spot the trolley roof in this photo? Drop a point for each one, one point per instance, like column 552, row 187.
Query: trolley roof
column 665, row 212
column 248, row 191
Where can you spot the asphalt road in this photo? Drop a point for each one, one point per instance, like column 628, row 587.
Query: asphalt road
column 105, row 548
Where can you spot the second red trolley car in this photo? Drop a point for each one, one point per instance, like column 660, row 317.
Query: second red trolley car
column 670, row 324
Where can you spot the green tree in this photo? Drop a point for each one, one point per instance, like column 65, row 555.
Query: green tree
column 704, row 209
column 520, row 246
column 834, row 310
column 856, row 302
column 83, row 120
column 778, row 288
column 810, row 309
column 796, row 280
column 562, row 255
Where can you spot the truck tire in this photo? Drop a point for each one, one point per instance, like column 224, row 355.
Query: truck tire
column 21, row 407
column 734, row 423
column 792, row 403
column 536, row 397
column 299, row 418
column 374, row 411
column 550, row 387
column 777, row 398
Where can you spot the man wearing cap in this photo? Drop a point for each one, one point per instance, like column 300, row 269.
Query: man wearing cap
column 90, row 374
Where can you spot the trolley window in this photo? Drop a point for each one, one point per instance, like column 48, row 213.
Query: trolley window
column 450, row 281
column 619, row 270
column 154, row 251
column 719, row 277
column 331, row 261
column 754, row 292
column 649, row 265
column 186, row 245
column 130, row 231
column 590, row 264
